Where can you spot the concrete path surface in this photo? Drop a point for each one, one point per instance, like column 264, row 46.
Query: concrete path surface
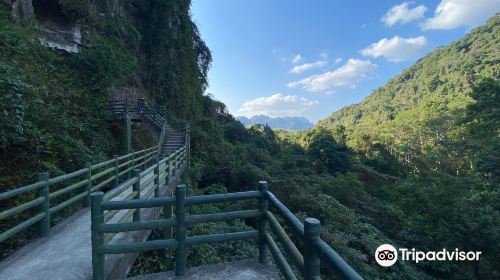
column 238, row 270
column 66, row 252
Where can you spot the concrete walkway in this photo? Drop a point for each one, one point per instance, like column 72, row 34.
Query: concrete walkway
column 66, row 252
column 238, row 270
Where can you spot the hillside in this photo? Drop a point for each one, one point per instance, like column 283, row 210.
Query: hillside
column 289, row 123
column 432, row 130
column 444, row 78
column 62, row 60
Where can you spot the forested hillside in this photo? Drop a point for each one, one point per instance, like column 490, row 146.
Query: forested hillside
column 54, row 110
column 433, row 133
column 415, row 165
column 420, row 111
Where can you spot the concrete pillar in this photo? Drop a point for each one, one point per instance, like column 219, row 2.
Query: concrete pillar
column 127, row 134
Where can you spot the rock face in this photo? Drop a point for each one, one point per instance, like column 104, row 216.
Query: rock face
column 55, row 30
column 60, row 37
column 22, row 10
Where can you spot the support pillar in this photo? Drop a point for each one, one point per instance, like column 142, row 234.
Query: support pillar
column 127, row 134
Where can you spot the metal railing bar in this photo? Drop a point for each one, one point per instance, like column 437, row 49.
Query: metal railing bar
column 108, row 216
column 21, row 190
column 68, row 176
column 21, row 226
column 334, row 261
column 138, row 246
column 289, row 217
column 102, row 173
column 221, row 237
column 102, row 184
column 68, row 189
column 216, row 198
column 218, row 217
column 147, row 171
column 150, row 191
column 120, row 189
column 135, row 226
column 290, row 248
column 148, row 181
column 279, row 259
column 139, row 203
column 104, row 163
column 20, row 208
column 68, row 202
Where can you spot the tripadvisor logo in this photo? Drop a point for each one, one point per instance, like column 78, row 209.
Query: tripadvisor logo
column 386, row 255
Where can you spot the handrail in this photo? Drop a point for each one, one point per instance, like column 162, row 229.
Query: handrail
column 58, row 193
column 55, row 194
column 306, row 260
column 157, row 115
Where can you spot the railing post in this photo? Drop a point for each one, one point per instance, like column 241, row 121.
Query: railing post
column 144, row 160
column 171, row 167
column 169, row 230
column 311, row 260
column 167, row 170
column 263, row 256
column 137, row 188
column 127, row 133
column 157, row 179
column 130, row 173
column 97, row 238
column 185, row 175
column 88, row 186
column 44, row 207
column 117, row 171
column 188, row 150
column 180, row 234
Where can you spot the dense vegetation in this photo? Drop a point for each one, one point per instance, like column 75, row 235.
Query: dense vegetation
column 415, row 164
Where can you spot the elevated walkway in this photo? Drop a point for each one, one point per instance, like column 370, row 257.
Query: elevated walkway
column 238, row 270
column 66, row 252
column 103, row 241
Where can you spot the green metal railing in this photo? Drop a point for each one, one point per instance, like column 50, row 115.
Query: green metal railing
column 58, row 193
column 157, row 115
column 307, row 262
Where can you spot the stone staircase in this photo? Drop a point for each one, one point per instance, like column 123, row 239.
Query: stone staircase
column 157, row 118
column 174, row 139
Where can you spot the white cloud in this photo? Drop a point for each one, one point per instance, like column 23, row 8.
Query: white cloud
column 307, row 66
column 450, row 14
column 277, row 105
column 296, row 59
column 346, row 75
column 338, row 60
column 323, row 60
column 397, row 49
column 403, row 14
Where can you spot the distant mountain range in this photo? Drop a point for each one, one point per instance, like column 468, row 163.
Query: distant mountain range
column 290, row 123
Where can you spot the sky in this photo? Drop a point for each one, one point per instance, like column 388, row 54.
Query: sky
column 311, row 58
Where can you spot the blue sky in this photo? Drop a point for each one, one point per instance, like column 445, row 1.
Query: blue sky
column 311, row 58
